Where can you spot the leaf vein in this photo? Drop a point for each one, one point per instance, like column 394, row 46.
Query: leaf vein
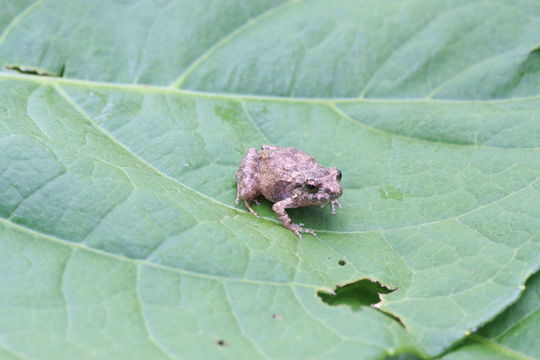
column 219, row 278
column 238, row 324
column 466, row 70
column 226, row 39
column 17, row 19
column 499, row 347
column 146, row 328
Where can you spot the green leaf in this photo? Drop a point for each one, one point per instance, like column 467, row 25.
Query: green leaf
column 511, row 335
column 119, row 235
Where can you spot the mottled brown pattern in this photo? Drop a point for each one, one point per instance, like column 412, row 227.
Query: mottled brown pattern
column 288, row 177
column 280, row 191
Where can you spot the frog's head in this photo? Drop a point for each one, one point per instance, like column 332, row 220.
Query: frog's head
column 323, row 189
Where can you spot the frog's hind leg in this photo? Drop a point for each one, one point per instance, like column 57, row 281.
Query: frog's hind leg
column 247, row 187
column 237, row 193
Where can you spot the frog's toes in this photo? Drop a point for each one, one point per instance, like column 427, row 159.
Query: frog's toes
column 298, row 229
column 333, row 204
column 309, row 231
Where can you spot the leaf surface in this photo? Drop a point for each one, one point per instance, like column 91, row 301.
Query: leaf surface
column 119, row 232
column 511, row 335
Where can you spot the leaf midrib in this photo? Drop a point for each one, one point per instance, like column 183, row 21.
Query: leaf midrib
column 330, row 103
column 239, row 97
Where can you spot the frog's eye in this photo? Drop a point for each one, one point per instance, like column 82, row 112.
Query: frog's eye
column 312, row 186
column 338, row 176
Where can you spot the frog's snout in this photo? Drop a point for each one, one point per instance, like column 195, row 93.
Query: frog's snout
column 334, row 190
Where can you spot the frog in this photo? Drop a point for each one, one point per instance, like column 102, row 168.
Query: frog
column 289, row 178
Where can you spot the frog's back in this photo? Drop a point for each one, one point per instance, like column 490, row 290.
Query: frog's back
column 286, row 160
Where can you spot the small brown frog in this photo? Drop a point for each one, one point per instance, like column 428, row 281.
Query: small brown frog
column 288, row 177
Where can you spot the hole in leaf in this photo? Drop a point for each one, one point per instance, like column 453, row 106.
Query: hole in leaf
column 363, row 292
column 31, row 70
column 342, row 263
column 222, row 342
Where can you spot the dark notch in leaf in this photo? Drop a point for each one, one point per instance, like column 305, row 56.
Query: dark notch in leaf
column 31, row 70
column 360, row 293
column 364, row 292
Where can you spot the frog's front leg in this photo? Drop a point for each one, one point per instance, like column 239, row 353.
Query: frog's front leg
column 333, row 204
column 279, row 209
